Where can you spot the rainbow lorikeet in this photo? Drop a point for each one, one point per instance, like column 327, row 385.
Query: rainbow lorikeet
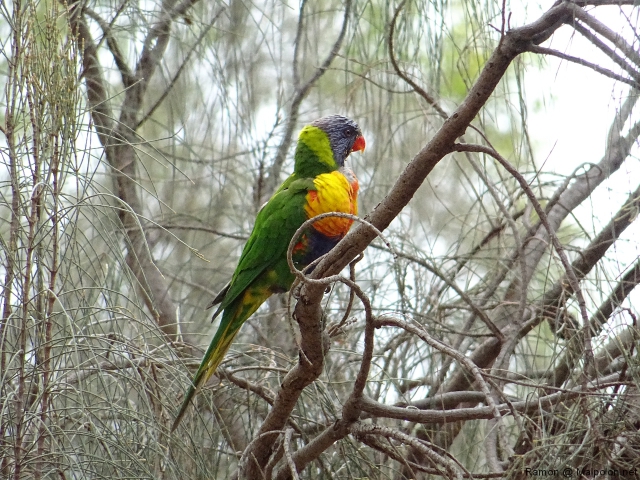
column 320, row 183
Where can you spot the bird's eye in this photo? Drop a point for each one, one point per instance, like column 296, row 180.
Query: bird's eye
column 348, row 132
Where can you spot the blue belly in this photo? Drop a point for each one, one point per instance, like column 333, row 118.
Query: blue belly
column 316, row 245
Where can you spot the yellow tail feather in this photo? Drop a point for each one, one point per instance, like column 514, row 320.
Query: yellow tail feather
column 209, row 365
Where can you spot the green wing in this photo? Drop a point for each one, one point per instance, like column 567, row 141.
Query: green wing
column 275, row 224
column 261, row 270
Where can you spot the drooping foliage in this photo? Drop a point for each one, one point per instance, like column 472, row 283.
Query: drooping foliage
column 139, row 141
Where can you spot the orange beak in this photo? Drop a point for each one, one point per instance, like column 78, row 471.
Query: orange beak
column 359, row 144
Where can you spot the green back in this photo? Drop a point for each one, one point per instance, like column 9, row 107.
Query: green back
column 275, row 225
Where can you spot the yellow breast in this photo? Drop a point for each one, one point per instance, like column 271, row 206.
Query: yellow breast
column 334, row 193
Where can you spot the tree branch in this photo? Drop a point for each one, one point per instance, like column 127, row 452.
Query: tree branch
column 599, row 27
column 593, row 66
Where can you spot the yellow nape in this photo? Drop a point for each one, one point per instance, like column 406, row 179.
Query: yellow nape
column 318, row 141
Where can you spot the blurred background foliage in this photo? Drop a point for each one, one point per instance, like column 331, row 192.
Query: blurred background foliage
column 90, row 384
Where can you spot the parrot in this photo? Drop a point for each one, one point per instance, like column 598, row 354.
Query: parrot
column 320, row 183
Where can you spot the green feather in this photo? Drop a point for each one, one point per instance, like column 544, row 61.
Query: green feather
column 262, row 270
column 275, row 225
column 313, row 153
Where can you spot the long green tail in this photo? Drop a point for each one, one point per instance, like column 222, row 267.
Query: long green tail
column 233, row 318
column 212, row 359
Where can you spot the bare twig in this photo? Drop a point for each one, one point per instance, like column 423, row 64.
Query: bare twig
column 300, row 94
column 571, row 275
column 417, row 88
column 607, row 51
column 287, row 453
column 580, row 61
column 180, row 70
column 118, row 140
column 127, row 75
column 452, row 467
column 617, row 40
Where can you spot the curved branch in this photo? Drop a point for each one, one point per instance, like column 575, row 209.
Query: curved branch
column 417, row 88
column 351, row 410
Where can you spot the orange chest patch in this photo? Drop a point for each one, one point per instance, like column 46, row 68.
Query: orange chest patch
column 334, row 193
